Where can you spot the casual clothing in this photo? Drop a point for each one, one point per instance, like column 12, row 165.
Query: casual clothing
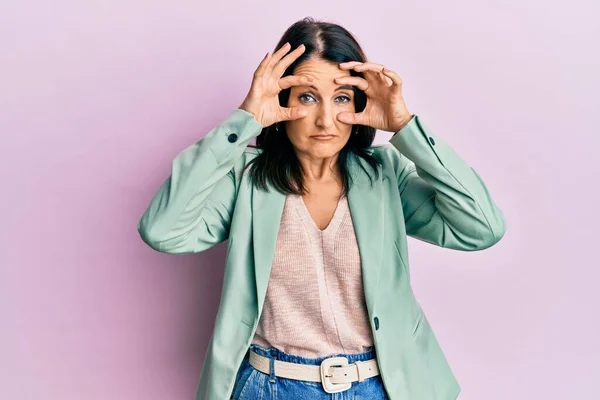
column 253, row 384
column 314, row 308
column 315, row 304
column 421, row 188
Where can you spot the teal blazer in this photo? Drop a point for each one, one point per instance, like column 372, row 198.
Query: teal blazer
column 425, row 190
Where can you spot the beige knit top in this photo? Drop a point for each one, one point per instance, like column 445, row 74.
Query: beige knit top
column 315, row 304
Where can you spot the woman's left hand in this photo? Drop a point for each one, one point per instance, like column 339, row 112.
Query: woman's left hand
column 385, row 108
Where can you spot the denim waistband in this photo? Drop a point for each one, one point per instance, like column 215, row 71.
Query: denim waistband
column 277, row 354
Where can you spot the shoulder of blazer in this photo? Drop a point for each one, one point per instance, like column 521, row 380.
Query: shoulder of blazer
column 249, row 153
column 393, row 162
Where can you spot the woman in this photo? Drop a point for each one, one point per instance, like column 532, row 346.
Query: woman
column 316, row 295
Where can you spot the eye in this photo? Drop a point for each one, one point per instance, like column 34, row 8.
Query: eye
column 304, row 95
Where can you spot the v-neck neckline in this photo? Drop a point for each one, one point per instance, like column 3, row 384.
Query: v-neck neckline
column 307, row 217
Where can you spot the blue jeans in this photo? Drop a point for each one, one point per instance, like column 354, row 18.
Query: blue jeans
column 252, row 384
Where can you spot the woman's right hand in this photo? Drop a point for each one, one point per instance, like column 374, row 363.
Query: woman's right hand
column 262, row 100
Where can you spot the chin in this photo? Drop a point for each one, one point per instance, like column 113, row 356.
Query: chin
column 323, row 151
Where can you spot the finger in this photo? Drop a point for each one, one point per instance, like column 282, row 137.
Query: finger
column 372, row 68
column 263, row 65
column 386, row 79
column 278, row 55
column 349, row 64
column 292, row 113
column 295, row 80
column 393, row 76
column 288, row 60
column 369, row 67
column 351, row 118
column 357, row 81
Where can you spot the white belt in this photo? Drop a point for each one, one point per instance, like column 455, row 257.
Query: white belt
column 334, row 373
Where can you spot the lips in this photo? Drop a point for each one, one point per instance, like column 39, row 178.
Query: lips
column 323, row 137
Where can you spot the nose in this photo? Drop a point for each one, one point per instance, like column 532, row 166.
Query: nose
column 325, row 117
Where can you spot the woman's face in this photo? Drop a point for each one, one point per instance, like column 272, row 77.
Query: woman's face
column 322, row 102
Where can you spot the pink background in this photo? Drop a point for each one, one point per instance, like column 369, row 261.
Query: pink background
column 96, row 99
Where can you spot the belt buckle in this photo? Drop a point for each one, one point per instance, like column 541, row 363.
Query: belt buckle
column 329, row 386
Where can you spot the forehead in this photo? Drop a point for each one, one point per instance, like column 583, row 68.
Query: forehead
column 323, row 72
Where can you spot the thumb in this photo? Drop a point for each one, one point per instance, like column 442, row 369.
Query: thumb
column 293, row 113
column 347, row 117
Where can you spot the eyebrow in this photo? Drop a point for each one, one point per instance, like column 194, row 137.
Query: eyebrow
column 348, row 87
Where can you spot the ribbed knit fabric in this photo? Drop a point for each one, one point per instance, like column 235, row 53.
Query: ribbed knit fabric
column 315, row 304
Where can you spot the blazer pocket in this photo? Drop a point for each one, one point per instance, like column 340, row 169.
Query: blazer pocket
column 418, row 324
column 400, row 258
column 248, row 324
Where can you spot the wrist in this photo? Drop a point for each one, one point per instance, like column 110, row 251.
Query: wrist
column 249, row 110
column 402, row 124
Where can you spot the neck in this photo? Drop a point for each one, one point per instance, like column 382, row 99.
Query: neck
column 319, row 170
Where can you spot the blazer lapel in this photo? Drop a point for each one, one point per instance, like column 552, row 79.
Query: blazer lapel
column 366, row 205
column 267, row 209
column 366, row 208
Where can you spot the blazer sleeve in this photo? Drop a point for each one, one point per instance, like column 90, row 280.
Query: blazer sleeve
column 192, row 209
column 445, row 202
